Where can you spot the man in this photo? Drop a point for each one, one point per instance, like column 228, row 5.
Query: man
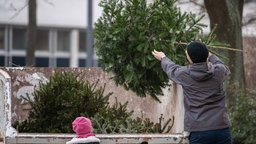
column 206, row 117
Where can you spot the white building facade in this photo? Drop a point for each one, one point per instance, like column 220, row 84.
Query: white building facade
column 63, row 31
column 61, row 35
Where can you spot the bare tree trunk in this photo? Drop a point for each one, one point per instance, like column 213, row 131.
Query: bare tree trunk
column 32, row 28
column 227, row 14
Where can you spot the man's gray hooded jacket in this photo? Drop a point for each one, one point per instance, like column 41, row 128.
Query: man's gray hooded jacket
column 204, row 95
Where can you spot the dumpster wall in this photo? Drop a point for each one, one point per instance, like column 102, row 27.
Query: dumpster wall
column 104, row 139
column 15, row 82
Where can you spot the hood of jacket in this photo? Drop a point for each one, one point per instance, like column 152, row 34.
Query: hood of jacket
column 201, row 71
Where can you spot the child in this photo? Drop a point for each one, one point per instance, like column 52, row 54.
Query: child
column 82, row 126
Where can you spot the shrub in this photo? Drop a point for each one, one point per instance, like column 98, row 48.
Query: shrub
column 57, row 103
column 65, row 96
column 119, row 120
column 243, row 117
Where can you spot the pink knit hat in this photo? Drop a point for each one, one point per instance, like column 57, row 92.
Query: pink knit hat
column 82, row 126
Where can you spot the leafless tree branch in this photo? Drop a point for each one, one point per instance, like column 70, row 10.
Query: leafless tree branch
column 195, row 2
column 17, row 10
column 249, row 21
column 48, row 2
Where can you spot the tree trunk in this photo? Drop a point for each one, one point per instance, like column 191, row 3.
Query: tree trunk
column 32, row 28
column 227, row 14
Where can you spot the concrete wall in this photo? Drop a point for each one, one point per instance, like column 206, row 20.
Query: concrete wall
column 23, row 80
column 28, row 138
column 5, row 102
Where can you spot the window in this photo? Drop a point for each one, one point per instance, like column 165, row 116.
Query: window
column 42, row 62
column 63, row 41
column 42, row 41
column 18, row 61
column 62, row 62
column 2, row 60
column 82, row 36
column 19, row 38
column 1, row 38
column 82, row 62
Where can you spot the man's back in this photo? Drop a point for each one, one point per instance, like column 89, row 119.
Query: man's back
column 206, row 117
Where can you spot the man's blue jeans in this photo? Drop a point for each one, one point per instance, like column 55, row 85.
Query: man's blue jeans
column 221, row 136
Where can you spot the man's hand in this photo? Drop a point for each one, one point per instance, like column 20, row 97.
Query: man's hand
column 209, row 54
column 158, row 55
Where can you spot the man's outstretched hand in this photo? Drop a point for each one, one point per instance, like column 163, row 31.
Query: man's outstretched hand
column 158, row 55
